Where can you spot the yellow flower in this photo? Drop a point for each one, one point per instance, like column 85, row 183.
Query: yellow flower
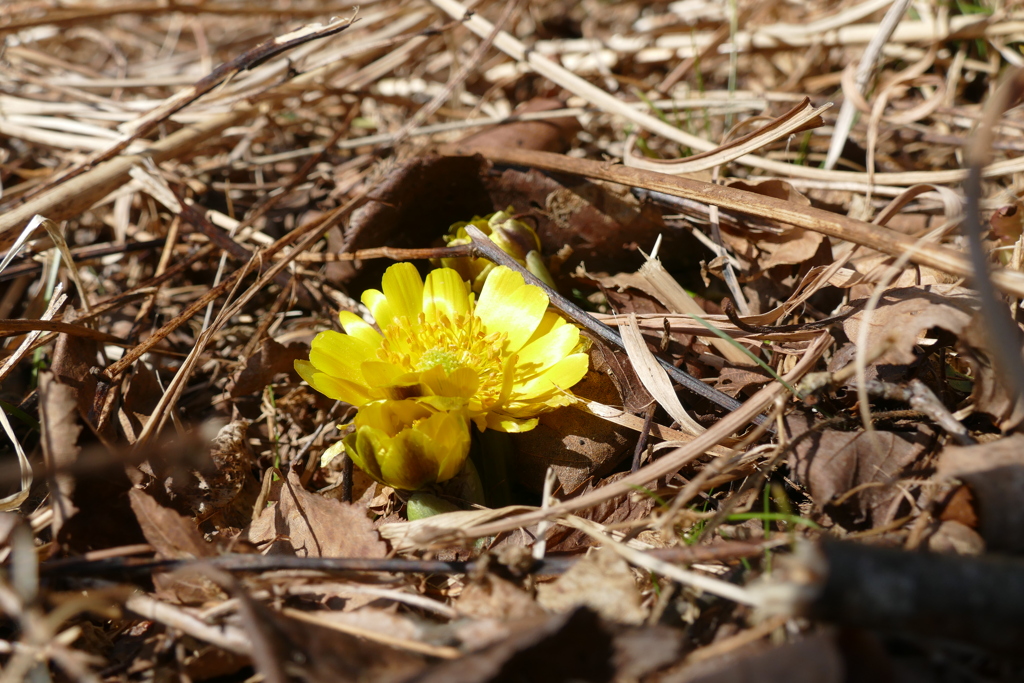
column 503, row 359
column 514, row 237
column 407, row 445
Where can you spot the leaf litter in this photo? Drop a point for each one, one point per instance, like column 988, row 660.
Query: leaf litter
column 218, row 181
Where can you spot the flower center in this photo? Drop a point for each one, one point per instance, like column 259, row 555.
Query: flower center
column 443, row 357
column 451, row 344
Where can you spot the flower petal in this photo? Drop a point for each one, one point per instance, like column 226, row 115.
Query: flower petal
column 365, row 446
column 403, row 288
column 560, row 377
column 510, row 306
column 355, row 326
column 379, row 374
column 332, row 387
column 340, row 355
column 544, row 352
column 408, row 463
column 549, row 323
column 462, row 383
column 380, row 308
column 445, row 292
column 449, row 435
column 505, row 423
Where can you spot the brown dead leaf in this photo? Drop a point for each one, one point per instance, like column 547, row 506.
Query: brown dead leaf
column 613, row 363
column 550, row 135
column 736, row 381
column 904, row 314
column 578, row 446
column 272, row 358
column 567, row 647
column 414, row 205
column 175, row 536
column 316, row 652
column 995, row 474
column 204, row 472
column 990, row 395
column 316, row 526
column 792, row 245
column 815, row 659
column 577, row 646
column 1006, row 223
column 139, row 401
column 601, row 581
column 603, row 227
column 831, row 464
column 903, row 317
column 492, row 597
column 58, row 421
column 75, row 364
column 956, row 538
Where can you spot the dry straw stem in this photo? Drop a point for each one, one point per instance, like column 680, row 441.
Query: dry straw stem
column 606, row 102
column 76, row 16
column 708, row 584
column 653, row 376
column 77, row 194
column 439, row 651
column 844, row 122
column 802, row 117
column 840, row 31
column 669, row 437
column 834, row 225
column 226, row 637
column 678, row 300
column 667, row 464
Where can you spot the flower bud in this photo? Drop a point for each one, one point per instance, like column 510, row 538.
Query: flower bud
column 407, row 445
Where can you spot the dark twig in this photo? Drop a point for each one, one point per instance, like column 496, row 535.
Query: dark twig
column 922, row 399
column 730, row 313
column 78, row 566
column 26, row 265
column 645, row 431
column 490, row 250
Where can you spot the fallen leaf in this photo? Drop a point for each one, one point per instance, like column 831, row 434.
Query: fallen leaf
column 549, row 135
column 74, row 364
column 994, row 472
column 174, row 536
column 58, row 421
column 624, row 508
column 414, row 205
column 568, row 647
column 576, row 445
column 316, row 526
column 603, row 228
column 956, row 538
column 991, row 395
column 271, row 359
column 492, row 597
column 831, row 463
column 903, row 315
column 815, row 659
column 789, row 245
column 601, row 581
